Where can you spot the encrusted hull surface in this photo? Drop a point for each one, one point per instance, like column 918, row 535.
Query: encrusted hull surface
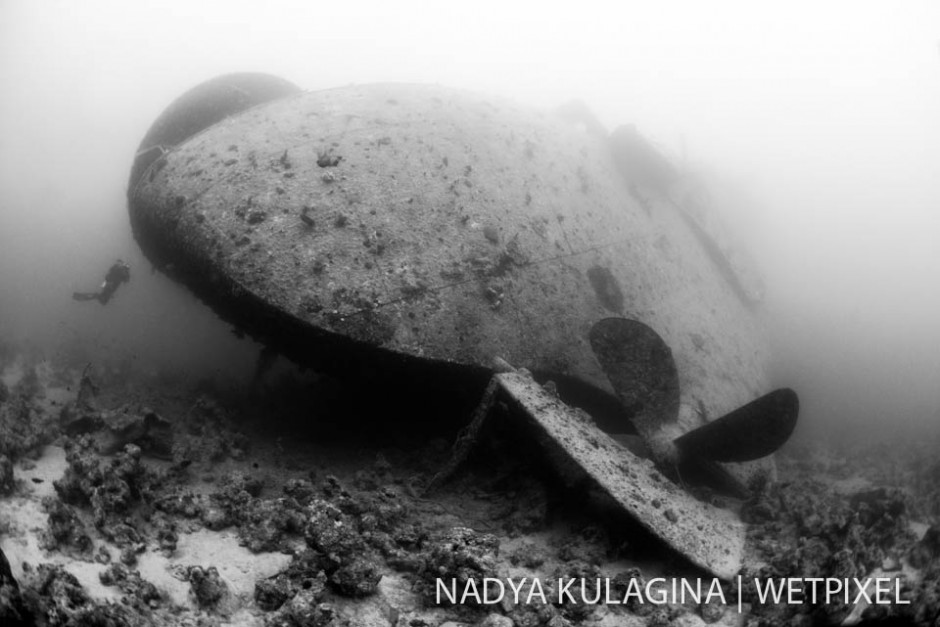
column 388, row 225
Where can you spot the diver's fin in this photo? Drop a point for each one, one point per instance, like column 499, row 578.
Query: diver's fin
column 639, row 365
column 749, row 432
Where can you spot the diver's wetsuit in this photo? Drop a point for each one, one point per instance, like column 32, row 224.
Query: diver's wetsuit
column 119, row 273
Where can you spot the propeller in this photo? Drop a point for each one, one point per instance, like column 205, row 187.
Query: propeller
column 749, row 432
column 640, row 367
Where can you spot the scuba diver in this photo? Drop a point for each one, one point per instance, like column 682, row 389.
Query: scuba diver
column 119, row 273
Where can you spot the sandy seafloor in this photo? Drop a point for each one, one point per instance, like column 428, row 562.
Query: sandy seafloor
column 155, row 500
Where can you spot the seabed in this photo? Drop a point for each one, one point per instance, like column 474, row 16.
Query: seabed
column 144, row 499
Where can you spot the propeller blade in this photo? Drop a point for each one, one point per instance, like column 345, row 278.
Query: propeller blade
column 750, row 432
column 640, row 368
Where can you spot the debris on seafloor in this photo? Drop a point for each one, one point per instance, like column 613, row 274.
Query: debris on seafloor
column 114, row 429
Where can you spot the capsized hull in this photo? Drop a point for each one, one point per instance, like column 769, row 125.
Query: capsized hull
column 387, row 225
